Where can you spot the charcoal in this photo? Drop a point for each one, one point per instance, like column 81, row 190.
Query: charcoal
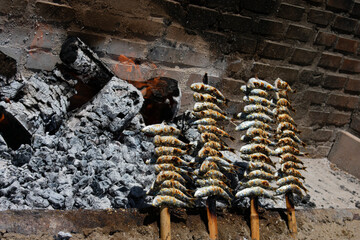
column 56, row 199
column 36, row 201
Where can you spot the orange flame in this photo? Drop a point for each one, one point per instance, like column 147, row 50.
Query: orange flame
column 2, row 117
column 135, row 75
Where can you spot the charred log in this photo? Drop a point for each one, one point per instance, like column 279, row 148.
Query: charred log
column 13, row 132
column 7, row 66
column 76, row 55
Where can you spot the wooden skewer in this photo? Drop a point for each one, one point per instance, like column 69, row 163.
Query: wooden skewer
column 291, row 215
column 212, row 219
column 165, row 230
column 254, row 219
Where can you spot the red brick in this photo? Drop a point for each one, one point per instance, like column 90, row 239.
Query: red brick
column 291, row 12
column 338, row 118
column 260, row 6
column 316, row 96
column 347, row 45
column 269, row 27
column 330, row 60
column 299, row 32
column 353, row 85
column 310, row 77
column 339, row 4
column 334, row 81
column 326, row 39
column 344, row 24
column 350, row 65
column 355, row 123
column 275, row 50
column 302, row 56
column 235, row 23
column 54, row 11
column 343, row 101
column 288, row 74
column 320, row 17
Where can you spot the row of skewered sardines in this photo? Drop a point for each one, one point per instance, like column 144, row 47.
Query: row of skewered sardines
column 212, row 168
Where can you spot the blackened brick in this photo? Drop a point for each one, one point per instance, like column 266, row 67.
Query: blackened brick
column 330, row 60
column 311, row 77
column 243, row 44
column 235, row 23
column 347, row 45
column 316, row 96
column 343, row 101
column 316, row 2
column 269, row 27
column 318, row 117
column 228, row 6
column 344, row 24
column 291, row 12
column 339, row 4
column 335, row 81
column 54, row 12
column 321, row 135
column 15, row 7
column 288, row 74
column 298, row 32
column 338, row 118
column 353, row 85
column 231, row 87
column 260, row 6
column 275, row 50
column 350, row 65
column 130, row 49
column 326, row 39
column 356, row 9
column 302, row 56
column 355, row 123
column 320, row 17
column 263, row 70
column 201, row 17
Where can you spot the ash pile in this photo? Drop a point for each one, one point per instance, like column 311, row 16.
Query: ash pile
column 57, row 155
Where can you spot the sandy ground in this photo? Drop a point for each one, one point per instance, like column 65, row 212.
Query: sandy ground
column 329, row 186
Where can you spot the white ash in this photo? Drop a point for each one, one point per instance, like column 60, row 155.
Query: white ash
column 94, row 161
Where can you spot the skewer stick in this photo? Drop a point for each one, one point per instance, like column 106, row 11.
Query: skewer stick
column 291, row 215
column 212, row 219
column 254, row 219
column 165, row 230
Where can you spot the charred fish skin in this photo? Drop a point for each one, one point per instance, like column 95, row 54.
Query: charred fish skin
column 255, row 124
column 169, row 141
column 159, row 151
column 254, row 192
column 210, row 114
column 205, row 121
column 169, row 201
column 215, row 130
column 161, row 129
column 200, row 106
column 257, row 83
column 212, row 191
column 204, row 88
column 258, row 100
column 199, row 97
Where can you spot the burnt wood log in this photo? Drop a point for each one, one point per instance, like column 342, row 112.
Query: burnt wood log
column 77, row 56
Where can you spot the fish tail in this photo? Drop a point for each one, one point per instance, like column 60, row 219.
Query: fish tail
column 232, row 138
column 303, row 144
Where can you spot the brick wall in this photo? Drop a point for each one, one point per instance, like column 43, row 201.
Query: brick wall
column 313, row 44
